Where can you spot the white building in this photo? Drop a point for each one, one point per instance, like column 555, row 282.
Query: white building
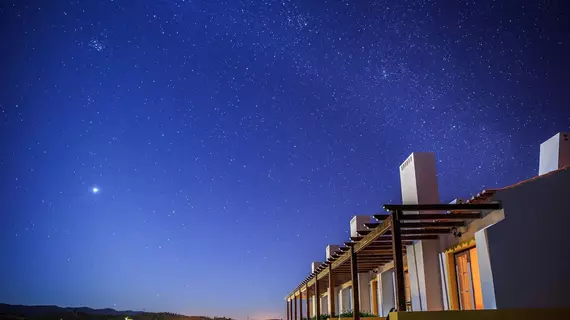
column 514, row 257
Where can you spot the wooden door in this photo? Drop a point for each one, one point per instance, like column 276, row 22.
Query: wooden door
column 374, row 296
column 464, row 285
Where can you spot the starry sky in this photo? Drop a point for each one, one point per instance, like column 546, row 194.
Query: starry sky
column 196, row 156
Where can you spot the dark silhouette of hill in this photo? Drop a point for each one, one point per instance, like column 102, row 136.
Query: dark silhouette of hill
column 22, row 312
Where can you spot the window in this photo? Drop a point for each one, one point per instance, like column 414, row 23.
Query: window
column 468, row 280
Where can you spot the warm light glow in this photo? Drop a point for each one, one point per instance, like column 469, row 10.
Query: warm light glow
column 469, row 280
column 477, row 291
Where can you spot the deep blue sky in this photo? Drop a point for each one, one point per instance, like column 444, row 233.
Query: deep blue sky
column 232, row 140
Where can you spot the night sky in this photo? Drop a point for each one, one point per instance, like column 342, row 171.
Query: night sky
column 196, row 156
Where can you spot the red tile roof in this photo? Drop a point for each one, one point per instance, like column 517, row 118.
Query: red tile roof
column 484, row 195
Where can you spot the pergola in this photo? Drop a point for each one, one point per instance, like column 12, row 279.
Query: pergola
column 381, row 243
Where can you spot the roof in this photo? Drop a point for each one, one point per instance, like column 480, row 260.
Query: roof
column 485, row 195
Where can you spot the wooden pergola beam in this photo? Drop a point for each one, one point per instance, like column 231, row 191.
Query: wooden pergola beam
column 367, row 264
column 369, row 260
column 370, row 266
column 371, row 225
column 301, row 306
column 398, row 262
column 368, row 239
column 363, row 232
column 381, row 216
column 385, row 243
column 424, row 231
column 323, row 273
column 439, row 224
column 295, row 308
column 373, row 247
column 444, row 216
column 374, row 253
column 355, row 291
column 442, row 206
column 406, row 239
column 331, row 293
column 317, row 301
column 308, row 303
column 364, row 255
column 375, row 264
column 440, row 216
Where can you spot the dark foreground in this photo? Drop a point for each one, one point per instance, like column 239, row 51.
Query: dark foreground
column 20, row 312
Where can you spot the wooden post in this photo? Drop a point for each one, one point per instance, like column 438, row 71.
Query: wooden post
column 295, row 307
column 398, row 262
column 317, row 299
column 332, row 299
column 288, row 316
column 308, row 303
column 300, row 305
column 290, row 309
column 355, row 292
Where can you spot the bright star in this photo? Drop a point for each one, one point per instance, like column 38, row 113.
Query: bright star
column 95, row 190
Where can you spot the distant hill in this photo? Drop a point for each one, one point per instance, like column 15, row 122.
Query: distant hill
column 22, row 312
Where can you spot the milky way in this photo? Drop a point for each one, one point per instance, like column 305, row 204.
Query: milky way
column 235, row 139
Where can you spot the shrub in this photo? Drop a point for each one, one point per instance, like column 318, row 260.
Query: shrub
column 350, row 314
column 322, row 317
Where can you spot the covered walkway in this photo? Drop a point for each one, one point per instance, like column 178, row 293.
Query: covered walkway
column 383, row 242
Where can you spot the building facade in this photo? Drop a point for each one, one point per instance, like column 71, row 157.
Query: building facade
column 517, row 256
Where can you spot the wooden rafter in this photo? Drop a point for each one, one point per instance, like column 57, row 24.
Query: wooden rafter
column 425, row 231
column 443, row 207
column 363, row 232
column 439, row 224
column 441, row 216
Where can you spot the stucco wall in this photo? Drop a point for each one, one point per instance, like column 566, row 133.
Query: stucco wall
column 530, row 249
column 364, row 292
column 386, row 285
column 325, row 304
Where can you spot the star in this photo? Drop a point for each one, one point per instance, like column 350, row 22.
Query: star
column 248, row 117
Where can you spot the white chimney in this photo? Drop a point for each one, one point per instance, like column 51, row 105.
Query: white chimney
column 315, row 265
column 357, row 224
column 331, row 248
column 554, row 153
column 418, row 178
